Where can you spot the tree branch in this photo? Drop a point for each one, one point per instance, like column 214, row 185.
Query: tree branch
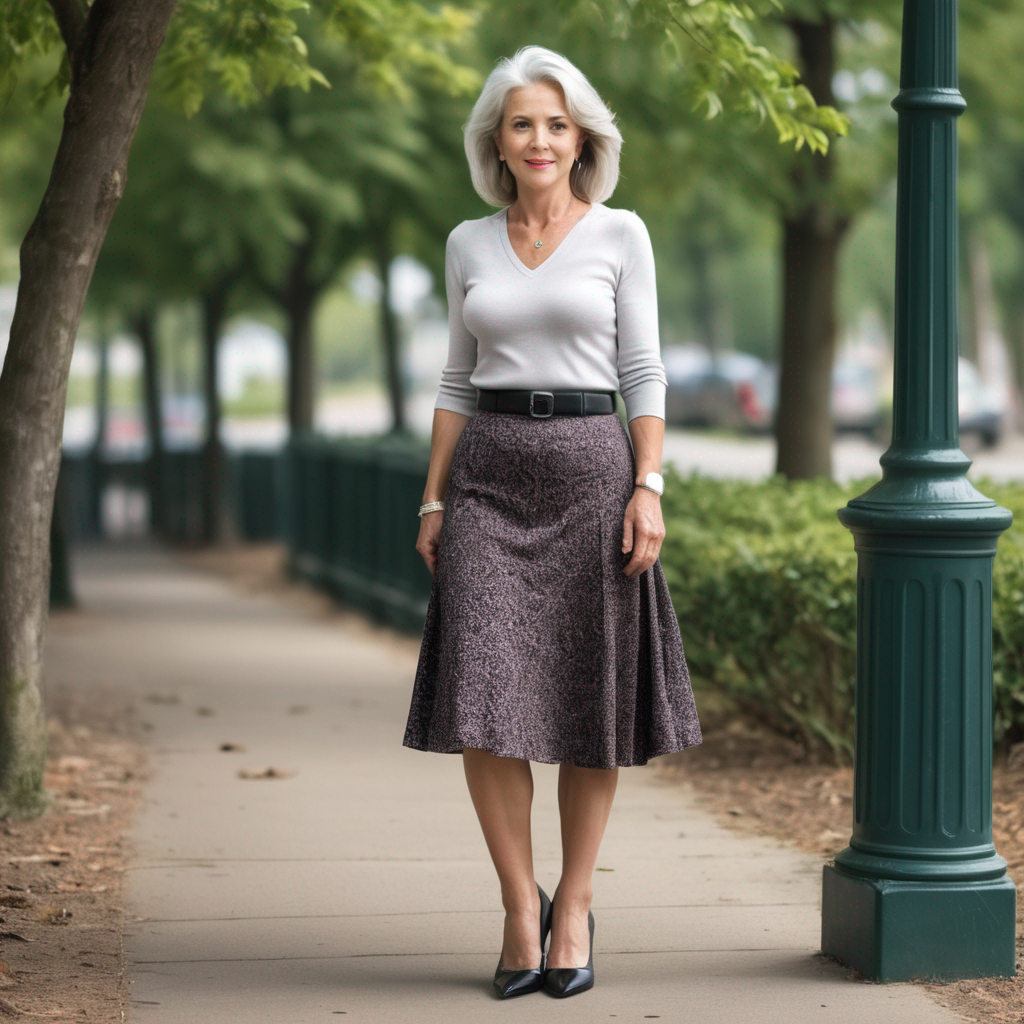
column 71, row 17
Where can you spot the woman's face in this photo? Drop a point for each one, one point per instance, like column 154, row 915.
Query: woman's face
column 538, row 139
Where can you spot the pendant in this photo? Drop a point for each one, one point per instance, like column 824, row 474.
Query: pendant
column 537, row 245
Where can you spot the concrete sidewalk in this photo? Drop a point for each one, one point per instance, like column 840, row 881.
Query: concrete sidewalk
column 361, row 886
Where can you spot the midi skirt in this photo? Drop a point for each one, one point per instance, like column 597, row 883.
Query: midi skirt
column 536, row 644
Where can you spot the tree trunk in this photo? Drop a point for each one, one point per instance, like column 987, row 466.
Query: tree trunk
column 111, row 48
column 214, row 303
column 97, row 453
column 301, row 379
column 298, row 298
column 389, row 328
column 145, row 328
column 803, row 420
column 62, row 591
column 812, row 234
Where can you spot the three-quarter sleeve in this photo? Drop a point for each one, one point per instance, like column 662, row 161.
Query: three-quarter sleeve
column 455, row 392
column 642, row 379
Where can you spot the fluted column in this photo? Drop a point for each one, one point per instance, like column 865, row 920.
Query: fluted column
column 920, row 890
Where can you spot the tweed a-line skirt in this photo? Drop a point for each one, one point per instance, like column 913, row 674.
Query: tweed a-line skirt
column 536, row 645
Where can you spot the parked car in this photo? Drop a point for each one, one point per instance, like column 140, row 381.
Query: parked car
column 856, row 396
column 704, row 391
column 861, row 400
column 982, row 408
column 855, row 399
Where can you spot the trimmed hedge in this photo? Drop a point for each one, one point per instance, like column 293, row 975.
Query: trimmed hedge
column 763, row 580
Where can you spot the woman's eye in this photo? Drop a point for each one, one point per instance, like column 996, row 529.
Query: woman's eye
column 520, row 123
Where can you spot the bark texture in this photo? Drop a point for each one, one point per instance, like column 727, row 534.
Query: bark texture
column 214, row 303
column 390, row 331
column 111, row 47
column 145, row 329
column 812, row 234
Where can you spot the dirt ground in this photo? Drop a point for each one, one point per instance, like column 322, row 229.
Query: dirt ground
column 61, row 919
column 61, row 909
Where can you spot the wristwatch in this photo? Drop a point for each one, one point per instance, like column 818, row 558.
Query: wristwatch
column 653, row 482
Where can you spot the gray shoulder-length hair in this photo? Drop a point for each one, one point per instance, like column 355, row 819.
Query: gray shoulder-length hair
column 593, row 179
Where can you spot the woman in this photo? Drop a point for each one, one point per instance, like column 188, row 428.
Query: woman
column 550, row 634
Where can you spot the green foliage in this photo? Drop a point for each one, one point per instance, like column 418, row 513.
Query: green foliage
column 28, row 30
column 249, row 48
column 763, row 580
column 721, row 66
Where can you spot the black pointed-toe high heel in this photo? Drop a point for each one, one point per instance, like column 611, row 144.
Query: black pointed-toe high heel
column 568, row 981
column 517, row 983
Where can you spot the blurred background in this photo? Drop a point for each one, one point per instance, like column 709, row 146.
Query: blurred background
column 277, row 269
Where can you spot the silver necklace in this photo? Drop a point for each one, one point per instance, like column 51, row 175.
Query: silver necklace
column 539, row 243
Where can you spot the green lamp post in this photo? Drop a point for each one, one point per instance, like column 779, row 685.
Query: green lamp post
column 920, row 891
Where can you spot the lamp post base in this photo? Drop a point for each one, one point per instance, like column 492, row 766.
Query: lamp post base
column 886, row 929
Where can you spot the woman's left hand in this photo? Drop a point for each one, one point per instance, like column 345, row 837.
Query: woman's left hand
column 643, row 530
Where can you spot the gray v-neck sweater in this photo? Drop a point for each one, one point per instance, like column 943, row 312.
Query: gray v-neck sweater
column 585, row 319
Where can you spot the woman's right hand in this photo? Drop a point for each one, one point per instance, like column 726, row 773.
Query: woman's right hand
column 430, row 533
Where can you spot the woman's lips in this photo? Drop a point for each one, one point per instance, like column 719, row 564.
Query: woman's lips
column 539, row 163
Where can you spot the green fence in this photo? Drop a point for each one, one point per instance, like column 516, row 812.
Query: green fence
column 345, row 507
column 352, row 523
column 254, row 492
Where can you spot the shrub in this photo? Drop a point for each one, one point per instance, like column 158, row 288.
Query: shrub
column 763, row 580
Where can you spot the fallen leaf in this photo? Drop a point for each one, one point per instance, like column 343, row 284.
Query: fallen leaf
column 85, row 812
column 266, row 773
column 829, row 836
column 53, row 915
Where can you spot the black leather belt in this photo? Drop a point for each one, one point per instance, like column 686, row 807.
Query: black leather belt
column 541, row 404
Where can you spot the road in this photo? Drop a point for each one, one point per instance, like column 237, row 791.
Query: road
column 749, row 458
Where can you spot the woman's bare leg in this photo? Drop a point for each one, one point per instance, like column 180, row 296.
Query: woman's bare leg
column 584, row 802
column 502, row 792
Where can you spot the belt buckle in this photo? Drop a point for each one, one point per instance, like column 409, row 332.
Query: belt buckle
column 544, row 396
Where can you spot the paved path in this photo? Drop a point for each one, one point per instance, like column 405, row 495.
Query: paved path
column 360, row 887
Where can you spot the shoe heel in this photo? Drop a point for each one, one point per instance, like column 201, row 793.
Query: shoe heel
column 569, row 981
column 517, row 983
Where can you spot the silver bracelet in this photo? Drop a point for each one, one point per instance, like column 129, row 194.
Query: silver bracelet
column 431, row 506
